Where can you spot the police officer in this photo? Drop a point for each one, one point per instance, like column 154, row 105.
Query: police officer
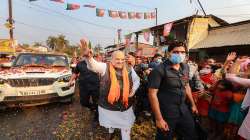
column 168, row 89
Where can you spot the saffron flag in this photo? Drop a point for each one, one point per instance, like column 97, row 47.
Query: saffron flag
column 113, row 14
column 89, row 6
column 139, row 15
column 123, row 15
column 153, row 15
column 147, row 15
column 131, row 15
column 72, row 6
column 60, row 1
column 167, row 28
column 100, row 12
column 146, row 34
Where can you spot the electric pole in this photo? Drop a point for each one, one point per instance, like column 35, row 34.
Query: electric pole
column 10, row 20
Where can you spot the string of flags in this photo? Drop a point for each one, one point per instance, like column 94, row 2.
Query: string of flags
column 111, row 13
column 125, row 15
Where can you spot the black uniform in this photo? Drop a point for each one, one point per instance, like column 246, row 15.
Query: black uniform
column 88, row 85
column 171, row 95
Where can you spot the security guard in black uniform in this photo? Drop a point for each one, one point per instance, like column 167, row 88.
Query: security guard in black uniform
column 168, row 89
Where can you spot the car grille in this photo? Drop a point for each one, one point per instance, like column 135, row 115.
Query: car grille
column 32, row 82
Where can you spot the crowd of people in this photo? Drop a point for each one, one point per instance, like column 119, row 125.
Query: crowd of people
column 174, row 90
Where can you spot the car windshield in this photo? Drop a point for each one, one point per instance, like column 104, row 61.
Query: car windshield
column 41, row 60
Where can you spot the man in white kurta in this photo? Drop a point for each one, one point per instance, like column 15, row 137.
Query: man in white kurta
column 114, row 115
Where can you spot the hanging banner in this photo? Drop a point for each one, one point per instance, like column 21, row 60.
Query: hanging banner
column 153, row 15
column 89, row 6
column 123, row 15
column 147, row 15
column 146, row 34
column 32, row 0
column 128, row 40
column 100, row 12
column 59, row 1
column 139, row 15
column 113, row 14
column 167, row 29
column 72, row 6
column 131, row 15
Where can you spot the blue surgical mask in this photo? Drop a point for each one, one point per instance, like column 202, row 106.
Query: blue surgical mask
column 177, row 58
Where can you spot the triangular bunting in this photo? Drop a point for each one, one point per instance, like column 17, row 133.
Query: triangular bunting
column 139, row 15
column 60, row 1
column 72, row 6
column 123, row 15
column 113, row 14
column 89, row 6
column 147, row 15
column 153, row 15
column 131, row 15
column 100, row 12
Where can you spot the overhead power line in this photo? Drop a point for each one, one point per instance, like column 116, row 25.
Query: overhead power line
column 50, row 29
column 134, row 5
column 74, row 18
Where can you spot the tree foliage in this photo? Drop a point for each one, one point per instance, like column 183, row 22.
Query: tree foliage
column 60, row 44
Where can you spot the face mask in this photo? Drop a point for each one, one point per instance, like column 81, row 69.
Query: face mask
column 158, row 61
column 205, row 71
column 177, row 58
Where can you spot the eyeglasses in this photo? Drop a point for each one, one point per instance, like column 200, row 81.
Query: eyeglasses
column 177, row 52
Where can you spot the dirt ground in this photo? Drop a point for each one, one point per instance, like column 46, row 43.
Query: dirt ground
column 59, row 121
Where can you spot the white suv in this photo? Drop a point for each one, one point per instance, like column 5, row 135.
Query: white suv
column 35, row 79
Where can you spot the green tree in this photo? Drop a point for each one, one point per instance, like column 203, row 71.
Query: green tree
column 37, row 44
column 62, row 42
column 52, row 42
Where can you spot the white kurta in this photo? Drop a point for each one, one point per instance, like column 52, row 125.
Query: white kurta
column 115, row 119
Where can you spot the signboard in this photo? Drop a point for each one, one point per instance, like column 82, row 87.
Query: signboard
column 6, row 46
column 147, row 52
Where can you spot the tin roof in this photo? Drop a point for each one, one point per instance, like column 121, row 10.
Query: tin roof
column 230, row 35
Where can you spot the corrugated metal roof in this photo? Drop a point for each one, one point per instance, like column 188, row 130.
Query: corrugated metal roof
column 226, row 36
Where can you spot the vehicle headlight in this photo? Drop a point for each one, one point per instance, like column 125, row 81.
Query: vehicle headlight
column 64, row 78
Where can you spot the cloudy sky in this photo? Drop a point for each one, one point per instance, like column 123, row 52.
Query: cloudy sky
column 35, row 21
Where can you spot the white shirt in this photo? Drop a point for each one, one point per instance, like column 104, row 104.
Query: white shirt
column 100, row 68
